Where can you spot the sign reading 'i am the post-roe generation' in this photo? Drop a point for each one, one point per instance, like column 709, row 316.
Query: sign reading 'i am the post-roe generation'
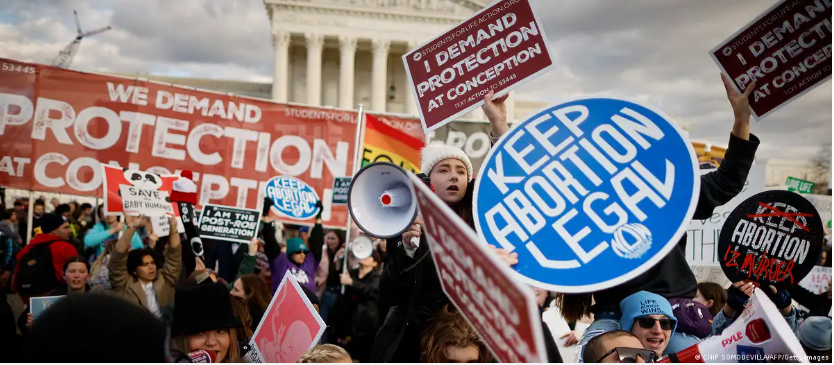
column 229, row 223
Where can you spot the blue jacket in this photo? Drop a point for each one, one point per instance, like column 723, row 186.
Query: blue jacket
column 100, row 233
column 721, row 321
column 8, row 253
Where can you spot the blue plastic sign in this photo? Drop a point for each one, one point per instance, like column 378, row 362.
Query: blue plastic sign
column 38, row 305
column 292, row 197
column 589, row 193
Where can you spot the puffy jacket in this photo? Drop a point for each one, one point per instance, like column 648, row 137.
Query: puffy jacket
column 61, row 252
column 100, row 233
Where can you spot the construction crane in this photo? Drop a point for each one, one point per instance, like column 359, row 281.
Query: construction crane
column 65, row 57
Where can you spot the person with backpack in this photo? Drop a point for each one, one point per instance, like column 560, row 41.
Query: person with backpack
column 40, row 263
column 76, row 271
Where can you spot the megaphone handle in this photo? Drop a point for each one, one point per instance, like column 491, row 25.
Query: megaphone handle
column 415, row 241
column 344, row 262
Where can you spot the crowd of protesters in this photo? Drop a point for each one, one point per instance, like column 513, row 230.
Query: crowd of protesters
column 135, row 295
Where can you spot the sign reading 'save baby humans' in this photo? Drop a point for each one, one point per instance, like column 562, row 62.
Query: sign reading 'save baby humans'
column 590, row 193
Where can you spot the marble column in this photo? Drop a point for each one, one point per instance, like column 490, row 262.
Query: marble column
column 379, row 91
column 410, row 103
column 280, row 82
column 315, row 44
column 478, row 114
column 347, row 52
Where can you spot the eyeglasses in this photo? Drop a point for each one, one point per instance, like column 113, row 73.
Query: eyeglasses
column 630, row 354
column 648, row 323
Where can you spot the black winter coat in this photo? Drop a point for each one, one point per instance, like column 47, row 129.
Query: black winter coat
column 672, row 277
column 356, row 313
column 410, row 293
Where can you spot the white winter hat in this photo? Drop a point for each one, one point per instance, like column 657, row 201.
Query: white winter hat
column 435, row 153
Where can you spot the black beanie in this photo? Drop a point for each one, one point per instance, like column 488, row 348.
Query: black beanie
column 203, row 308
column 95, row 327
column 50, row 222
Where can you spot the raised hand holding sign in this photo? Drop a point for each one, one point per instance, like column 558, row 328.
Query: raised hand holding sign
column 292, row 198
column 589, row 193
column 772, row 238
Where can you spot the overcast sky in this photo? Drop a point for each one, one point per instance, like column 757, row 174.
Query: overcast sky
column 650, row 50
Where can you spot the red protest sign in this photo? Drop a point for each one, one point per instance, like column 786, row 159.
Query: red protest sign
column 502, row 311
column 500, row 48
column 116, row 177
column 290, row 326
column 57, row 126
column 786, row 50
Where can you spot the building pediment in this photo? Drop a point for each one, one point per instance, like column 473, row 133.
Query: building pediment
column 449, row 10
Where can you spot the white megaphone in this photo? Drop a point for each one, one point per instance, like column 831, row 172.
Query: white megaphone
column 380, row 201
column 362, row 247
column 759, row 333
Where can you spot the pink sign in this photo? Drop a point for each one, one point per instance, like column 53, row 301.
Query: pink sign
column 289, row 328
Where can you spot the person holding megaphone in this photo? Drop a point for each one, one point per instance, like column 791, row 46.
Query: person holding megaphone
column 737, row 296
column 410, row 292
column 355, row 317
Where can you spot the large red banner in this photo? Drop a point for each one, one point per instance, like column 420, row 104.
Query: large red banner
column 57, row 126
column 482, row 287
column 786, row 50
column 500, row 48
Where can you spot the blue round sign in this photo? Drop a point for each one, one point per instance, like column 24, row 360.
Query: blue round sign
column 292, row 197
column 589, row 193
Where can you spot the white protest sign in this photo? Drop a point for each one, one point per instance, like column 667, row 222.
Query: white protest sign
column 161, row 227
column 702, row 234
column 823, row 205
column 147, row 202
column 710, row 273
column 759, row 334
column 818, row 280
column 115, row 178
column 559, row 327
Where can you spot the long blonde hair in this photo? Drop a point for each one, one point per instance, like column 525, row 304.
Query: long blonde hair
column 180, row 343
column 96, row 267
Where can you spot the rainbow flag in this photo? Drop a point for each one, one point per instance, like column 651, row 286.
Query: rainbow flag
column 385, row 143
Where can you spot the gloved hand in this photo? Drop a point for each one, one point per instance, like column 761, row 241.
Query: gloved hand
column 321, row 209
column 426, row 180
column 267, row 204
column 737, row 297
column 782, row 298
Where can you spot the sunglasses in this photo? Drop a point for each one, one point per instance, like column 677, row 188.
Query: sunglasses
column 630, row 354
column 648, row 323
